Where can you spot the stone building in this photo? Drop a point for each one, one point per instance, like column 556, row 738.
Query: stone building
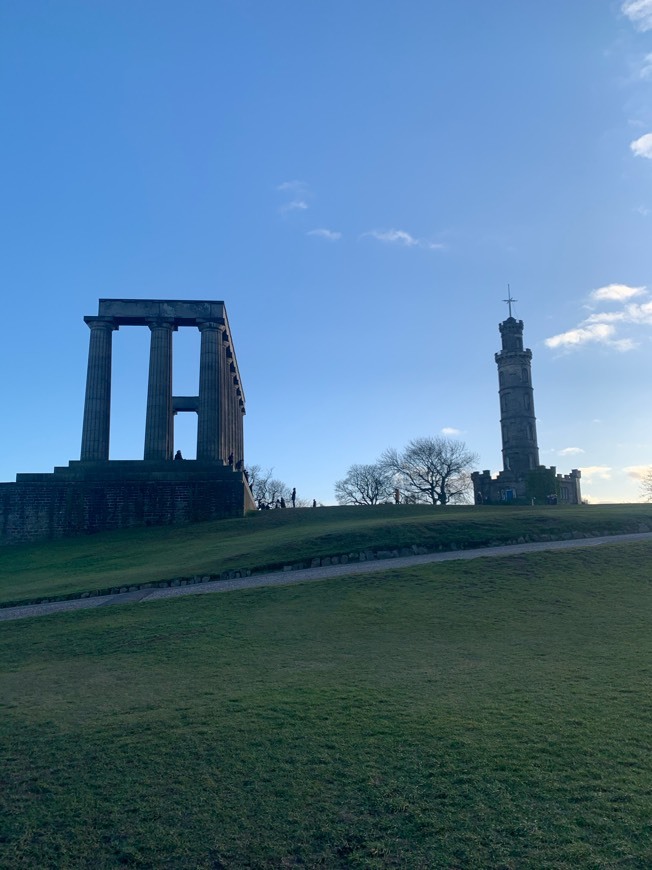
column 96, row 493
column 522, row 478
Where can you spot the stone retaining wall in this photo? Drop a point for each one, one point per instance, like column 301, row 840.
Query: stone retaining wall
column 36, row 511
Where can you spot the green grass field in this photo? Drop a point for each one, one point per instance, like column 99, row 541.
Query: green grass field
column 271, row 539
column 485, row 714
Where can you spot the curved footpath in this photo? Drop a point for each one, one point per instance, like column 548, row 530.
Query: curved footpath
column 308, row 575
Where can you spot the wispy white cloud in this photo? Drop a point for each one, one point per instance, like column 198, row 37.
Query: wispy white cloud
column 403, row 238
column 601, row 332
column 294, row 205
column 295, row 187
column 645, row 71
column 595, row 472
column 639, row 13
column 605, row 317
column 570, row 451
column 331, row 235
column 298, row 191
column 638, row 472
column 600, row 326
column 635, row 312
column 451, row 430
column 399, row 237
column 617, row 292
column 642, row 147
column 623, row 344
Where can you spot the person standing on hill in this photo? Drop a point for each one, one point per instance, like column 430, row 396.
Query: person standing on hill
column 294, row 497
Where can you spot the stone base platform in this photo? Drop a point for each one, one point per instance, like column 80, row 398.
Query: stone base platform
column 87, row 497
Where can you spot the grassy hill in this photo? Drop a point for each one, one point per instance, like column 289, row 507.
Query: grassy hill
column 271, row 539
column 486, row 714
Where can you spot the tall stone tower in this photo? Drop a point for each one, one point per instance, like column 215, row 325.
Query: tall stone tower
column 522, row 480
column 517, row 420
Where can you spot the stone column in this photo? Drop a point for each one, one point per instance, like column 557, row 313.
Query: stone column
column 240, row 427
column 227, row 441
column 97, row 405
column 232, row 401
column 236, row 416
column 210, row 392
column 159, row 391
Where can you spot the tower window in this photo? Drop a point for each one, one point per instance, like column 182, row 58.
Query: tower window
column 524, row 376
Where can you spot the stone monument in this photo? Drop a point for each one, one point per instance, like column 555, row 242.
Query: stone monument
column 522, row 478
column 96, row 493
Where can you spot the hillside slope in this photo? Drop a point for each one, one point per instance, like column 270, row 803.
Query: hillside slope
column 271, row 539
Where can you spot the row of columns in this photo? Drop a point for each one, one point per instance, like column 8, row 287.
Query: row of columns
column 220, row 405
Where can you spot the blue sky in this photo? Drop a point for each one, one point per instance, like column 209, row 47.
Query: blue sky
column 358, row 180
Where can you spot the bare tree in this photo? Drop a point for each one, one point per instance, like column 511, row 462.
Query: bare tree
column 432, row 470
column 276, row 490
column 264, row 487
column 365, row 484
column 254, row 473
column 646, row 485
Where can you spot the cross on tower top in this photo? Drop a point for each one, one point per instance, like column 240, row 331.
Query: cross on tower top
column 509, row 300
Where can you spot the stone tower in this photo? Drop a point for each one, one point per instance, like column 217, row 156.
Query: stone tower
column 522, row 480
column 517, row 420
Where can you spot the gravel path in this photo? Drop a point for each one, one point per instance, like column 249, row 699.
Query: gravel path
column 308, row 575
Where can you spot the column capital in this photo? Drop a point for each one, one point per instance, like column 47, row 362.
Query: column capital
column 203, row 325
column 95, row 322
column 162, row 323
